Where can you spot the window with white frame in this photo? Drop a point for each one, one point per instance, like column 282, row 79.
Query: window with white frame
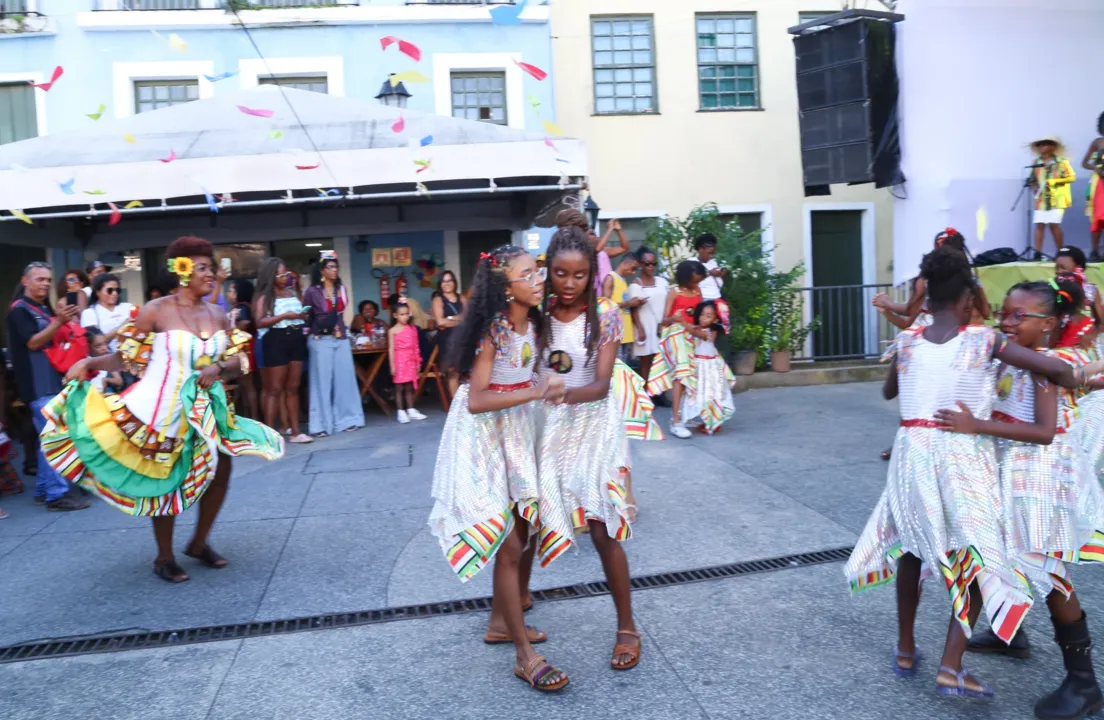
column 18, row 118
column 156, row 94
column 624, row 64
column 311, row 83
column 728, row 68
column 748, row 222
column 479, row 96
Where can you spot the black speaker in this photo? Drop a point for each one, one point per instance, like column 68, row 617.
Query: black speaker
column 847, row 96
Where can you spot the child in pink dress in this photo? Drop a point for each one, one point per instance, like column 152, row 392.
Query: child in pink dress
column 406, row 361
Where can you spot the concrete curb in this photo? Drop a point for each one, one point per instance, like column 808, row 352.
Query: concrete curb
column 802, row 377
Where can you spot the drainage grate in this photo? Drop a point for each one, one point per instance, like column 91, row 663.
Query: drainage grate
column 48, row 649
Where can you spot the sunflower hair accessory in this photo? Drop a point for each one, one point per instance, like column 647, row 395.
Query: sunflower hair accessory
column 182, row 267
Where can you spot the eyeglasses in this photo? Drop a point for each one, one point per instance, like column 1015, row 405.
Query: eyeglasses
column 1015, row 318
column 653, row 263
column 534, row 277
column 285, row 274
column 111, row 291
column 72, row 281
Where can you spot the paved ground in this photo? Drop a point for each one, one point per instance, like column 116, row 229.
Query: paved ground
column 340, row 526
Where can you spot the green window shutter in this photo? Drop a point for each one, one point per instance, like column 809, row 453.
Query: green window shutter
column 17, row 113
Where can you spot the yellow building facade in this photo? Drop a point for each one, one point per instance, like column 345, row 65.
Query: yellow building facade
column 684, row 102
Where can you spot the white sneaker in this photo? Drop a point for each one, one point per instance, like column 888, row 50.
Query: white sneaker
column 403, row 417
column 679, row 430
column 415, row 415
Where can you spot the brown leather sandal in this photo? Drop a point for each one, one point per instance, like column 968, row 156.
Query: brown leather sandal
column 527, row 606
column 208, row 557
column 633, row 651
column 170, row 572
column 501, row 638
column 533, row 676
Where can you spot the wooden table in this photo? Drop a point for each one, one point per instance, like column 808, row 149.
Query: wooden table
column 367, row 375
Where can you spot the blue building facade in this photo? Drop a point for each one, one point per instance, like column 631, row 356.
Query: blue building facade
column 123, row 57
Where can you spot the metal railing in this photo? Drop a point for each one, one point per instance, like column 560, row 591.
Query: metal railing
column 850, row 326
column 13, row 7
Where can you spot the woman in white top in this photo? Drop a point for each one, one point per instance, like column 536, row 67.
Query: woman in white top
column 106, row 312
column 279, row 315
column 713, row 284
column 646, row 318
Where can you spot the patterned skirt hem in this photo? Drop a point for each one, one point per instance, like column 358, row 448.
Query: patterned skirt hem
column 673, row 362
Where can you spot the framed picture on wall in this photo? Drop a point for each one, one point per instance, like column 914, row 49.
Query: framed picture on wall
column 381, row 257
column 400, row 257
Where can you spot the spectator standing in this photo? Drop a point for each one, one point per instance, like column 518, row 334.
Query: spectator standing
column 106, row 312
column 239, row 297
column 334, row 393
column 279, row 315
column 32, row 325
column 405, row 361
column 652, row 289
column 448, row 311
column 75, row 281
column 711, row 286
column 616, row 288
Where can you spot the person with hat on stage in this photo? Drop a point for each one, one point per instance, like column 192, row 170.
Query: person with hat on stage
column 1050, row 182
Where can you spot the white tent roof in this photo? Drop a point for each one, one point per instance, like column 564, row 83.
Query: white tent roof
column 220, row 149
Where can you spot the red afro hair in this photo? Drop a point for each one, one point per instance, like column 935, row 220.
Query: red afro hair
column 190, row 246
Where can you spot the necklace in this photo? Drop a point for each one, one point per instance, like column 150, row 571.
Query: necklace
column 202, row 334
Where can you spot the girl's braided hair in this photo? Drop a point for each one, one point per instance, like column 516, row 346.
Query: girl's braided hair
column 489, row 299
column 568, row 239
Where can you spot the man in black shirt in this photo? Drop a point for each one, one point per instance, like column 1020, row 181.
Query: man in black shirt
column 32, row 325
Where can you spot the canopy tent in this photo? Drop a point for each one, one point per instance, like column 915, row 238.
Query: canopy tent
column 271, row 146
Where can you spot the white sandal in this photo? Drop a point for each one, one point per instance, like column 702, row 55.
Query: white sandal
column 300, row 439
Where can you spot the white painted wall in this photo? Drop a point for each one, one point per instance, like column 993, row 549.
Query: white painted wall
column 980, row 79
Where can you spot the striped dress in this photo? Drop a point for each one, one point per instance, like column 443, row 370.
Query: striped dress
column 153, row 450
column 1055, row 503
column 943, row 502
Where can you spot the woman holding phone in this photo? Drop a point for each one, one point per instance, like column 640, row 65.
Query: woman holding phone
column 279, row 315
column 71, row 287
column 106, row 312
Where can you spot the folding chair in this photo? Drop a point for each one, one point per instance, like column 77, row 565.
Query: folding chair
column 432, row 371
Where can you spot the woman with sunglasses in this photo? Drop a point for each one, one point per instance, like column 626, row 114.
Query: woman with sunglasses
column 106, row 312
column 77, row 282
column 652, row 289
column 279, row 315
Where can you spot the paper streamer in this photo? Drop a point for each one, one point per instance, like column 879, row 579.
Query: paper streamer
column 67, row 186
column 170, row 158
column 423, row 165
column 129, row 138
column 399, row 125
column 508, row 14
column 408, row 76
column 98, row 114
column 276, row 134
column 405, row 47
column 95, row 192
column 45, row 87
column 220, row 76
column 22, row 216
column 133, row 204
column 116, row 216
column 532, row 70
column 427, row 140
column 210, row 201
column 552, row 128
column 982, row 224
column 308, row 167
column 177, row 44
column 256, row 112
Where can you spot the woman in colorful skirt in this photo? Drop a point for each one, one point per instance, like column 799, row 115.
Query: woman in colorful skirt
column 1094, row 208
column 673, row 368
column 942, row 504
column 583, row 444
column 1057, row 505
column 489, row 501
column 167, row 442
column 708, row 400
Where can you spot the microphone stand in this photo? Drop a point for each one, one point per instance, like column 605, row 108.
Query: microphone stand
column 1029, row 251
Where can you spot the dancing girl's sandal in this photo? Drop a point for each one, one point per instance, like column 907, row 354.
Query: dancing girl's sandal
column 501, row 638
column 633, row 651
column 534, row 677
column 208, row 557
column 900, row 669
column 170, row 572
column 961, row 690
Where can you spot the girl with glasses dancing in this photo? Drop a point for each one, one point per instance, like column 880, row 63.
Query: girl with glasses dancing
column 489, row 499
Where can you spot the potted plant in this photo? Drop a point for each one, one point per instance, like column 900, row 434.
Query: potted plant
column 787, row 335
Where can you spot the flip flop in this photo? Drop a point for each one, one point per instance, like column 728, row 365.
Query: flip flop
column 983, row 693
column 533, row 676
column 624, row 649
column 501, row 638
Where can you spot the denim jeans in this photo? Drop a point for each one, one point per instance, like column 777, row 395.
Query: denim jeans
column 48, row 483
